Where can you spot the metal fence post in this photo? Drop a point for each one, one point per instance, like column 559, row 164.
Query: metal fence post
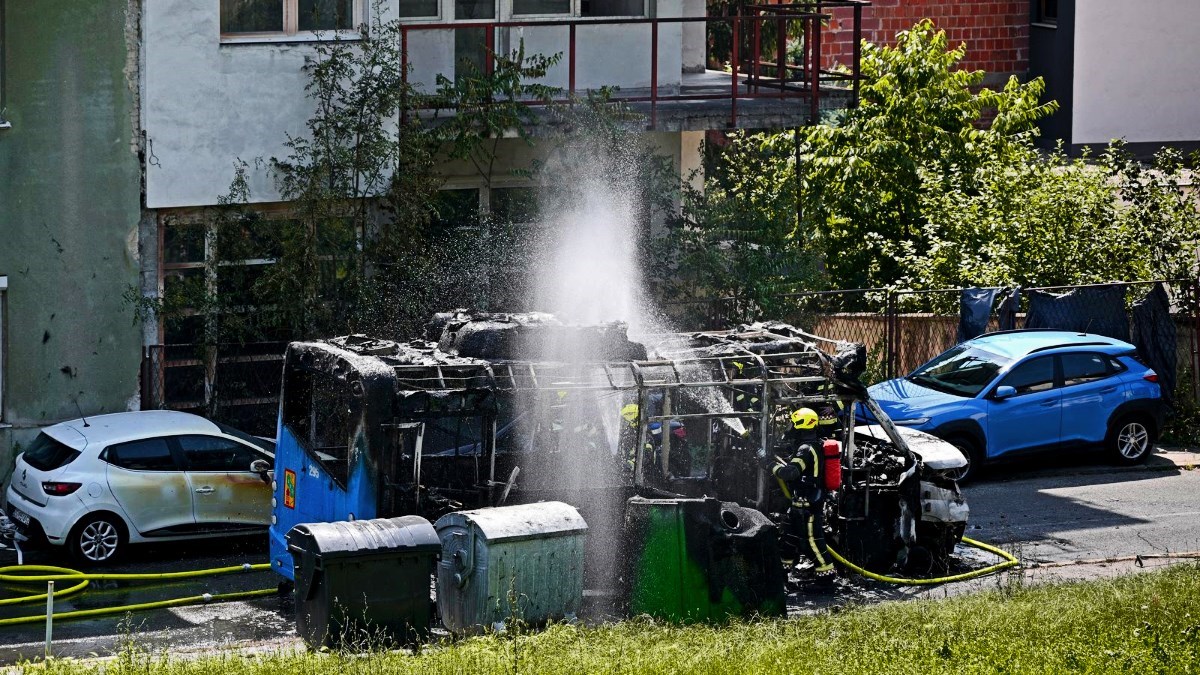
column 1195, row 341
column 890, row 329
column 49, row 615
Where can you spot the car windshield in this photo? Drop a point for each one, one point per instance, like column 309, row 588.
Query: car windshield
column 47, row 454
column 963, row 371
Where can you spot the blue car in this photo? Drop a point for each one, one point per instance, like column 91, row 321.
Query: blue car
column 1014, row 392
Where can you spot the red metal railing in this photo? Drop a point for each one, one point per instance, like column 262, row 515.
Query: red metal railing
column 801, row 24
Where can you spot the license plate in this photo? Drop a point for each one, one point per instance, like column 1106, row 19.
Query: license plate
column 20, row 516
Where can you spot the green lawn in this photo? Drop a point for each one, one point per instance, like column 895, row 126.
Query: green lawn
column 1147, row 623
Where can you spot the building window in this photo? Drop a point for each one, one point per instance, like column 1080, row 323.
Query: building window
column 417, row 9
column 540, row 7
column 1045, row 11
column 612, row 8
column 288, row 17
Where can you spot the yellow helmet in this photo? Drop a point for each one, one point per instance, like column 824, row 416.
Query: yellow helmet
column 629, row 412
column 805, row 418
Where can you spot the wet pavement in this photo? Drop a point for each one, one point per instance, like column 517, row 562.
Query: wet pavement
column 189, row 628
column 1068, row 521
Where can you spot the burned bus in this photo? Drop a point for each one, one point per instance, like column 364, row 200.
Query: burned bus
column 497, row 409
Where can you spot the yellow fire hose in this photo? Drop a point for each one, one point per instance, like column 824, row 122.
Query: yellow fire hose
column 27, row 574
column 1009, row 561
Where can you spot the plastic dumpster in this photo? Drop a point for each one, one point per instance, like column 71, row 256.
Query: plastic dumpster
column 702, row 560
column 363, row 582
column 523, row 562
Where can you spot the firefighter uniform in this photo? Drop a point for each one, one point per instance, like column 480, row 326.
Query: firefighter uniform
column 802, row 481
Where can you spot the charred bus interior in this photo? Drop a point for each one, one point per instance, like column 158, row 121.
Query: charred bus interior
column 507, row 409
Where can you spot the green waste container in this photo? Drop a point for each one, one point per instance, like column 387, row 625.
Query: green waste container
column 524, row 561
column 365, row 582
column 702, row 560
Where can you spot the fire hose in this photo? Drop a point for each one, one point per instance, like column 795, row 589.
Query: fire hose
column 1009, row 561
column 27, row 574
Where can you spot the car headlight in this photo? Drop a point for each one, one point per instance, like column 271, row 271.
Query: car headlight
column 914, row 422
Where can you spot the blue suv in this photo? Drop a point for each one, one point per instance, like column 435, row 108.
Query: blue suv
column 1008, row 393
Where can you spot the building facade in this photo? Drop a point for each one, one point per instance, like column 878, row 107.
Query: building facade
column 70, row 206
column 1119, row 70
column 119, row 119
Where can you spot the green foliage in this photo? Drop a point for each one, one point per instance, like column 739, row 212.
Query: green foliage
column 1049, row 220
column 364, row 244
column 913, row 189
column 918, row 122
column 736, row 237
column 490, row 104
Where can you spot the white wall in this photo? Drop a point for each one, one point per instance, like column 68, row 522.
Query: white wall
column 1137, row 71
column 206, row 104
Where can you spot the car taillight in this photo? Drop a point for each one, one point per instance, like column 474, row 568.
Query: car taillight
column 1150, row 376
column 57, row 489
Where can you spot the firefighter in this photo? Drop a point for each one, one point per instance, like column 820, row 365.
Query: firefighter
column 627, row 439
column 801, row 480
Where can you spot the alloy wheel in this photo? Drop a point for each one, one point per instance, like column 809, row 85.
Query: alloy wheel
column 1133, row 441
column 98, row 540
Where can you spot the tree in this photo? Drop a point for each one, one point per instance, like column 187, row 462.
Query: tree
column 736, row 238
column 866, row 176
column 1041, row 220
column 919, row 122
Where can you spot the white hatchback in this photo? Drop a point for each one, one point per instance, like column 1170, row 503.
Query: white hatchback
column 97, row 484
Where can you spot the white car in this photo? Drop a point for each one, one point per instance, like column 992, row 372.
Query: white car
column 96, row 485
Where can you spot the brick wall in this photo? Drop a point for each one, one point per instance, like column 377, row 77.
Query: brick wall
column 996, row 33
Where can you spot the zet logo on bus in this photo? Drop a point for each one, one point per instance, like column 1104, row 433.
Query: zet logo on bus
column 289, row 488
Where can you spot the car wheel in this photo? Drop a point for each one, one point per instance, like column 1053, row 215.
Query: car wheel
column 1131, row 440
column 98, row 539
column 975, row 459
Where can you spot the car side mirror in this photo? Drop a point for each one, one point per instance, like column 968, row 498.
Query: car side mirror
column 260, row 466
column 1004, row 391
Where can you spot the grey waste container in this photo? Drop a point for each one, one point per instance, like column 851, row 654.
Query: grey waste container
column 365, row 581
column 524, row 561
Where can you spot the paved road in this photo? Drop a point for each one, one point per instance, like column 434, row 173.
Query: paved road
column 192, row 628
column 1087, row 512
column 1074, row 511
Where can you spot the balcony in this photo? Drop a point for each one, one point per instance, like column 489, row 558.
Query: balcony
column 660, row 66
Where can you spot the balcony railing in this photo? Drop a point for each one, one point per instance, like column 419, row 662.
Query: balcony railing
column 643, row 58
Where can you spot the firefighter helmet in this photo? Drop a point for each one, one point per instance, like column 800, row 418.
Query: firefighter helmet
column 804, row 418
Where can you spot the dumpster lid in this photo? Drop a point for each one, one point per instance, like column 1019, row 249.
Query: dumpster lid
column 509, row 523
column 365, row 537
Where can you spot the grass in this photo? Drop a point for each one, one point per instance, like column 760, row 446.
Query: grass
column 1145, row 623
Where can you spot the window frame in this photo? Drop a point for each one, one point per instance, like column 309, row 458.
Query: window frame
column 647, row 13
column 1055, row 382
column 430, row 18
column 255, row 453
column 291, row 32
column 1040, row 17
column 1105, row 359
column 172, row 451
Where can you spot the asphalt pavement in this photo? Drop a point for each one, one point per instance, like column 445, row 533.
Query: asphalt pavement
column 194, row 628
column 1076, row 518
column 1091, row 512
